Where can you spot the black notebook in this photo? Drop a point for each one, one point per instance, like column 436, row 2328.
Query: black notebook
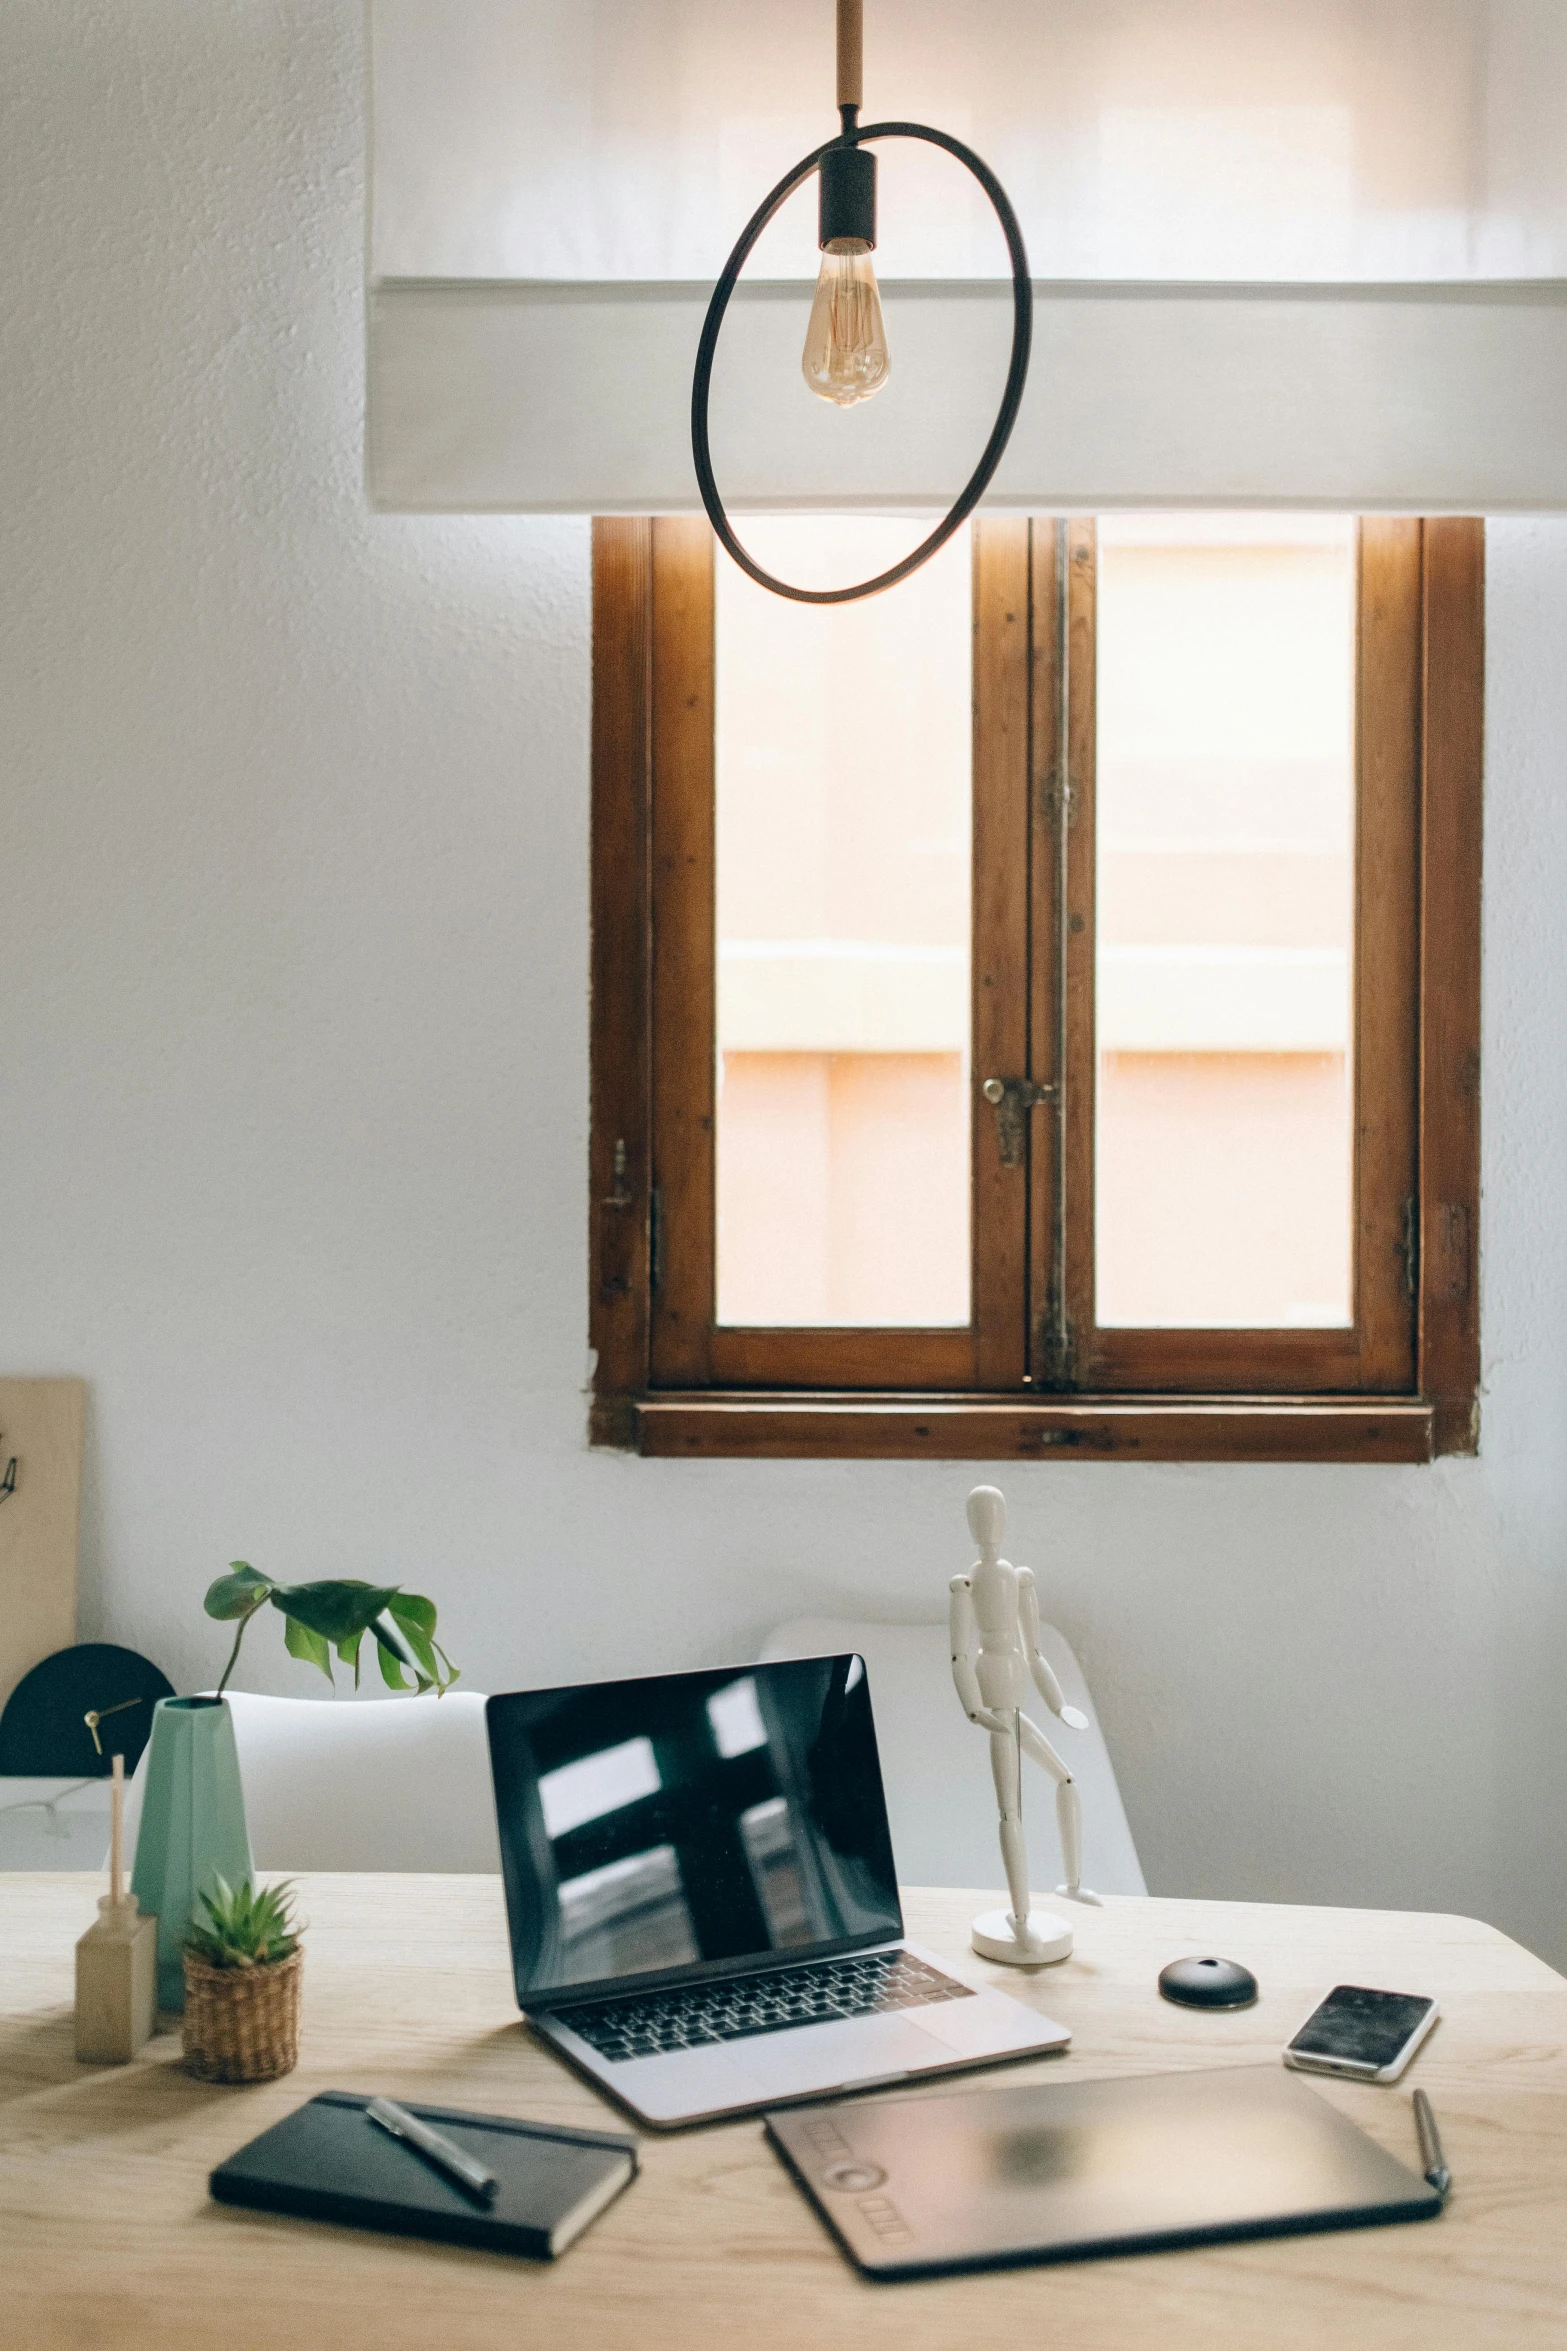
column 327, row 2161
column 1064, row 2171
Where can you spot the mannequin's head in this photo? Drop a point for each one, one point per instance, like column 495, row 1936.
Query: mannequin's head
column 987, row 1517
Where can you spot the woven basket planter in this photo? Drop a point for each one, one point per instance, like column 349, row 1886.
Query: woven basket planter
column 242, row 2023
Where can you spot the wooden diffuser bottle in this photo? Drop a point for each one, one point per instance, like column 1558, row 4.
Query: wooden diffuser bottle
column 116, row 1962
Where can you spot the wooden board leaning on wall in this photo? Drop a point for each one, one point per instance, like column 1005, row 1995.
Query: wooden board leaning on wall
column 41, row 1432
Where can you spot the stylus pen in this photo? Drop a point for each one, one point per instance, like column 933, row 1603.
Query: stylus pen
column 443, row 2152
column 1430, row 2144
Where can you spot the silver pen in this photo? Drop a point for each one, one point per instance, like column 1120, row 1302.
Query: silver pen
column 1431, row 2156
column 443, row 2152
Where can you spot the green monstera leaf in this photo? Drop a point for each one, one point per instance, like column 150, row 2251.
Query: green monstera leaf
column 239, row 1593
column 336, row 1614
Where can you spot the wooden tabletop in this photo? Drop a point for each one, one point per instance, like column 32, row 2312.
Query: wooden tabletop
column 110, row 2239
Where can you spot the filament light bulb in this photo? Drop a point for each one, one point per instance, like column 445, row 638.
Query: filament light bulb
column 845, row 357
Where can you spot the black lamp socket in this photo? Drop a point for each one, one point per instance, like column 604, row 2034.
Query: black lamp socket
column 847, row 197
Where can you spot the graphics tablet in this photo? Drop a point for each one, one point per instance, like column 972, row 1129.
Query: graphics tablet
column 1064, row 2172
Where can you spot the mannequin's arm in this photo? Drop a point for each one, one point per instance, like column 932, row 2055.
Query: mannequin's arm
column 961, row 1627
column 1028, row 1608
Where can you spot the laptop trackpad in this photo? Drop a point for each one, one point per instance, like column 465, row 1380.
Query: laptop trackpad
column 821, row 2056
column 996, row 2026
column 672, row 2089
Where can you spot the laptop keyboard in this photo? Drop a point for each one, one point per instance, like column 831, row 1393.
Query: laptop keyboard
column 700, row 2014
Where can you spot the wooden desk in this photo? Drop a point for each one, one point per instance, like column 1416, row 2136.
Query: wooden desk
column 109, row 2238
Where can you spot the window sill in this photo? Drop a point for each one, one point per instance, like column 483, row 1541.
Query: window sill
column 838, row 1427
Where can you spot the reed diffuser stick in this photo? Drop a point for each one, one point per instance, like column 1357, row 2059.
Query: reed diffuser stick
column 117, row 1835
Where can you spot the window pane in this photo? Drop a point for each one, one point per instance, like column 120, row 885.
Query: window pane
column 1225, row 919
column 843, row 786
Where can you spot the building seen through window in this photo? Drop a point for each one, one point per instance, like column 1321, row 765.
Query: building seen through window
column 1225, row 830
column 1225, row 825
column 843, row 811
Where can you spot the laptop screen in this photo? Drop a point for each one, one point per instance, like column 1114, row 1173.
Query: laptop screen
column 667, row 1826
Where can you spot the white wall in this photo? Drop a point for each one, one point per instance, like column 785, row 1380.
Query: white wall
column 293, row 1066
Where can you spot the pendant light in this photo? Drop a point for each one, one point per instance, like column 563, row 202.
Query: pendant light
column 846, row 358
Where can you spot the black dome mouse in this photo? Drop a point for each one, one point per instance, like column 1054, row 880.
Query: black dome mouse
column 1208, row 1983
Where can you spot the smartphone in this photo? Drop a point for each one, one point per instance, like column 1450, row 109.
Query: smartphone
column 1370, row 2036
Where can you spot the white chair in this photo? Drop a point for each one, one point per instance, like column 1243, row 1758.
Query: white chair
column 368, row 1784
column 53, row 1824
column 936, row 1766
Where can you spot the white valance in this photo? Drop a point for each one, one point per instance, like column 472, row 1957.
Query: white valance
column 1288, row 250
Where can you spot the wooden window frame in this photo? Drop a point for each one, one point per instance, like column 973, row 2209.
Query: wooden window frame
column 1034, row 1376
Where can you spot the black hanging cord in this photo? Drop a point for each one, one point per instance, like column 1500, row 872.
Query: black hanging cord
column 1011, row 398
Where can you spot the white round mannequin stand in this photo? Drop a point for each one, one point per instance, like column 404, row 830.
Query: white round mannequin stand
column 1046, row 1938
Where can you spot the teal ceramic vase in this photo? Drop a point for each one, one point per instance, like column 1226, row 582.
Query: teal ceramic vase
column 192, row 1824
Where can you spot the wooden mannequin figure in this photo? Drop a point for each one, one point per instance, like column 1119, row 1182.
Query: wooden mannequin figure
column 994, row 1617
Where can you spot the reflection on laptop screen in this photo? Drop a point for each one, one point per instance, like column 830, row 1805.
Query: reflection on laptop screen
column 666, row 1824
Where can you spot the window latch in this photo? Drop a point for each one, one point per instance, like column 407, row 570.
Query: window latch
column 622, row 1195
column 1013, row 1098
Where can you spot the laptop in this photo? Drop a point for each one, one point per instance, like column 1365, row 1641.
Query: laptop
column 702, row 1900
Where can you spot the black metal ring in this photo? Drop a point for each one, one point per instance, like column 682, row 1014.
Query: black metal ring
column 1011, row 398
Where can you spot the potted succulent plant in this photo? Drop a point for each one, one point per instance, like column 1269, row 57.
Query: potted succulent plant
column 193, row 1810
column 242, row 1959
